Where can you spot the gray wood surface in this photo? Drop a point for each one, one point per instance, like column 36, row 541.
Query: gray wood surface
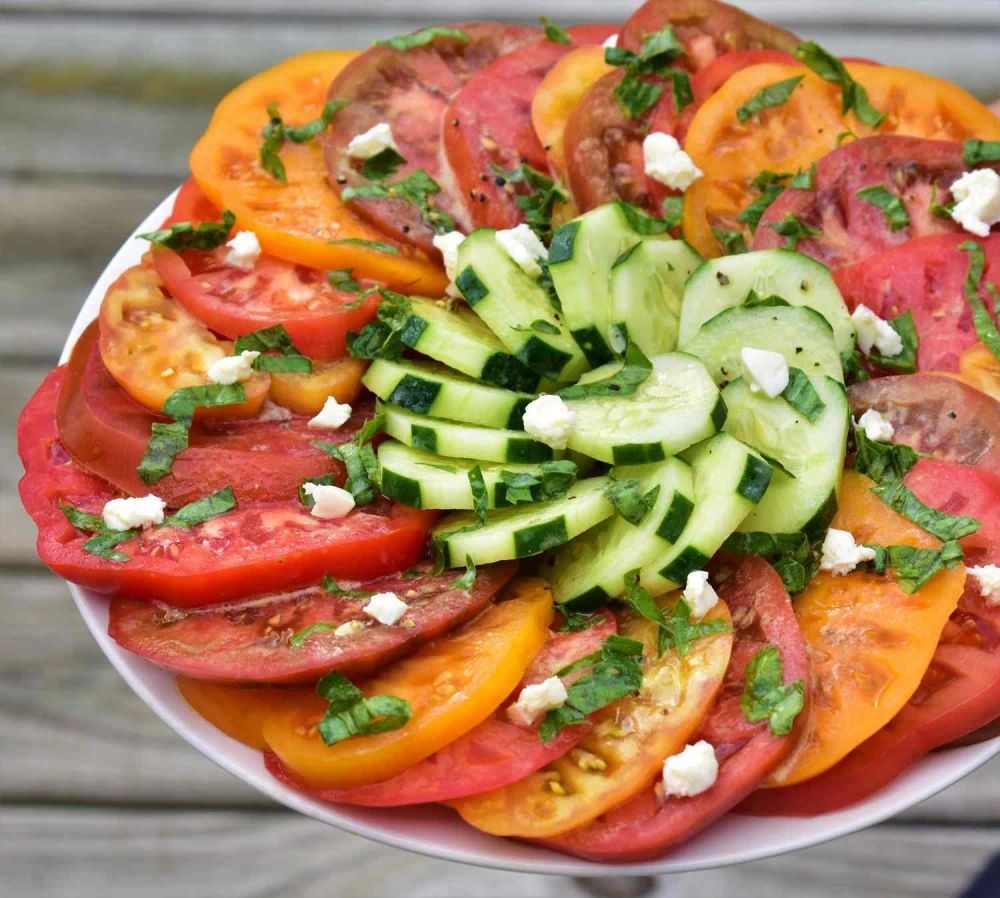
column 100, row 102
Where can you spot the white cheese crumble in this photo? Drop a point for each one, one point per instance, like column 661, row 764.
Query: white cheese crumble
column 841, row 554
column 232, row 369
column 611, row 42
column 386, row 607
column 988, row 578
column 524, row 247
column 699, row 594
column 333, row 415
column 691, row 772
column 874, row 332
column 138, row 511
column 767, row 372
column 329, row 501
column 376, row 139
column 666, row 162
column 447, row 245
column 876, row 426
column 536, row 699
column 244, row 250
column 349, row 628
column 549, row 420
column 977, row 206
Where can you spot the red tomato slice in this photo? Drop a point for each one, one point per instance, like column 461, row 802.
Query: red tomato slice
column 411, row 90
column 106, row 431
column 490, row 756
column 250, row 643
column 489, row 124
column 191, row 204
column 647, row 825
column 936, row 415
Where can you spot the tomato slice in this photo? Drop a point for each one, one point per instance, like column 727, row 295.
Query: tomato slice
column 707, row 81
column 936, row 415
column 869, row 643
column 191, row 204
column 489, row 756
column 303, row 220
column 980, row 368
column 411, row 90
column 630, row 739
column 452, row 684
column 251, row 642
column 648, row 825
column 306, row 394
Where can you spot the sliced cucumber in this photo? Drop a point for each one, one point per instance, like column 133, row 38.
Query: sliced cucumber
column 517, row 308
column 801, row 334
column 723, row 283
column 729, row 480
column 463, row 440
column 431, row 389
column 677, row 406
column 647, row 285
column 459, row 338
column 523, row 531
column 590, row 570
column 813, row 453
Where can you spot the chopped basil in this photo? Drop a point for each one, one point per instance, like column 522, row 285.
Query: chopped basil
column 904, row 362
column 752, row 214
column 373, row 425
column 296, row 640
column 358, row 457
column 854, row 371
column 553, row 32
column 977, row 152
column 791, row 555
column 343, row 279
column 676, row 632
column 680, row 82
column 731, row 241
column 913, row 566
column 380, row 339
column 901, row 499
column 939, row 210
column 538, row 203
column 627, row 499
column 804, row 180
column 556, row 477
column 882, row 462
column 896, row 216
column 767, row 697
column 351, row 714
column 165, row 443
column 379, row 246
column 673, row 211
column 794, row 230
column 853, row 96
column 468, row 579
column 639, row 221
column 986, row 329
column 423, row 37
column 635, row 370
column 320, row 480
column 382, row 164
column 181, row 404
column 480, row 496
column 203, row 509
column 768, row 97
column 305, row 133
column 753, row 301
column 636, row 96
column 104, row 540
column 273, row 135
column 416, row 188
column 283, row 364
column 575, row 621
column 335, row 589
column 185, row 235
column 802, row 396
column 274, row 339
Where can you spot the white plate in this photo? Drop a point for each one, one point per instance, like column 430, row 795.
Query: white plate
column 440, row 833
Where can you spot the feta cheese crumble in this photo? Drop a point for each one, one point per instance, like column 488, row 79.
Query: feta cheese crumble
column 875, row 426
column 232, row 369
column 767, row 372
column 349, row 628
column 699, row 594
column 874, row 332
column 447, row 245
column 244, row 250
column 129, row 513
column 329, row 501
column 691, row 772
column 386, row 607
column 376, row 139
column 333, row 415
column 977, row 206
column 666, row 162
column 841, row 554
column 537, row 699
column 549, row 420
column 611, row 42
column 524, row 247
column 988, row 578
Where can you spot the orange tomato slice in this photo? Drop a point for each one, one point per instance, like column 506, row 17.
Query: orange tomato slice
column 239, row 711
column 305, row 394
column 979, row 368
column 298, row 220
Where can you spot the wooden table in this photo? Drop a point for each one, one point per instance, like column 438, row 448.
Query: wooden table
column 99, row 103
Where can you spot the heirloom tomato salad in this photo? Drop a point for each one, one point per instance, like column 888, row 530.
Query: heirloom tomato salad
column 594, row 430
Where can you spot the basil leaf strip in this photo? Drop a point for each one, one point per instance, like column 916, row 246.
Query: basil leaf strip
column 185, row 235
column 802, row 396
column 416, row 188
column 977, row 152
column 732, row 242
column 882, row 462
column 896, row 216
column 776, row 94
column 423, row 37
column 794, row 230
column 767, row 697
column 203, row 509
column 901, row 499
column 853, row 96
column 382, row 164
column 351, row 714
column 553, row 32
column 335, row 589
column 913, row 567
column 635, row 370
column 468, row 579
column 540, row 199
column 274, row 339
column 906, row 361
column 104, row 540
column 379, row 246
column 986, row 329
column 628, row 501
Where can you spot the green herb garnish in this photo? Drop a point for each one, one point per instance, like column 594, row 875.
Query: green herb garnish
column 351, row 714
column 468, row 579
column 274, row 339
column 767, row 697
column 904, row 362
column 628, row 500
column 776, row 94
column 416, row 189
column 901, row 499
column 896, row 216
column 853, row 96
column 554, row 32
column 986, row 329
column 793, row 230
column 423, row 37
column 977, row 152
column 184, row 235
column 732, row 242
column 203, row 509
column 379, row 246
column 801, row 395
column 635, row 370
column 540, row 199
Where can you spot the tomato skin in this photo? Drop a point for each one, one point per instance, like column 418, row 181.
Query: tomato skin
column 191, row 204
column 709, row 79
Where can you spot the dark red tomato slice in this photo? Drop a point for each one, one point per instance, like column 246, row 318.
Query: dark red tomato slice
column 492, row 755
column 920, row 172
column 647, row 825
column 106, row 431
column 192, row 205
column 925, row 276
column 937, row 416
column 411, row 90
column 255, row 549
column 250, row 643
column 489, row 124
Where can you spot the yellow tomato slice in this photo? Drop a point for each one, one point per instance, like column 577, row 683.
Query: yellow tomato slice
column 979, row 368
column 869, row 642
column 452, row 684
column 152, row 346
column 240, row 711
column 626, row 748
column 298, row 220
column 305, row 394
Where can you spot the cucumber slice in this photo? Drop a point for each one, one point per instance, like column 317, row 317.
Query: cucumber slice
column 458, row 338
column 726, row 282
column 729, row 480
column 425, row 480
column 463, row 440
column 677, row 406
column 813, row 453
column 801, row 334
column 647, row 284
column 431, row 389
column 527, row 530
column 590, row 570
column 517, row 308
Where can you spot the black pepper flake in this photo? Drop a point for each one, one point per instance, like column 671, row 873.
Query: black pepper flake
column 455, row 123
column 953, row 415
column 405, row 229
column 482, row 197
column 499, row 181
column 721, row 278
column 798, row 349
